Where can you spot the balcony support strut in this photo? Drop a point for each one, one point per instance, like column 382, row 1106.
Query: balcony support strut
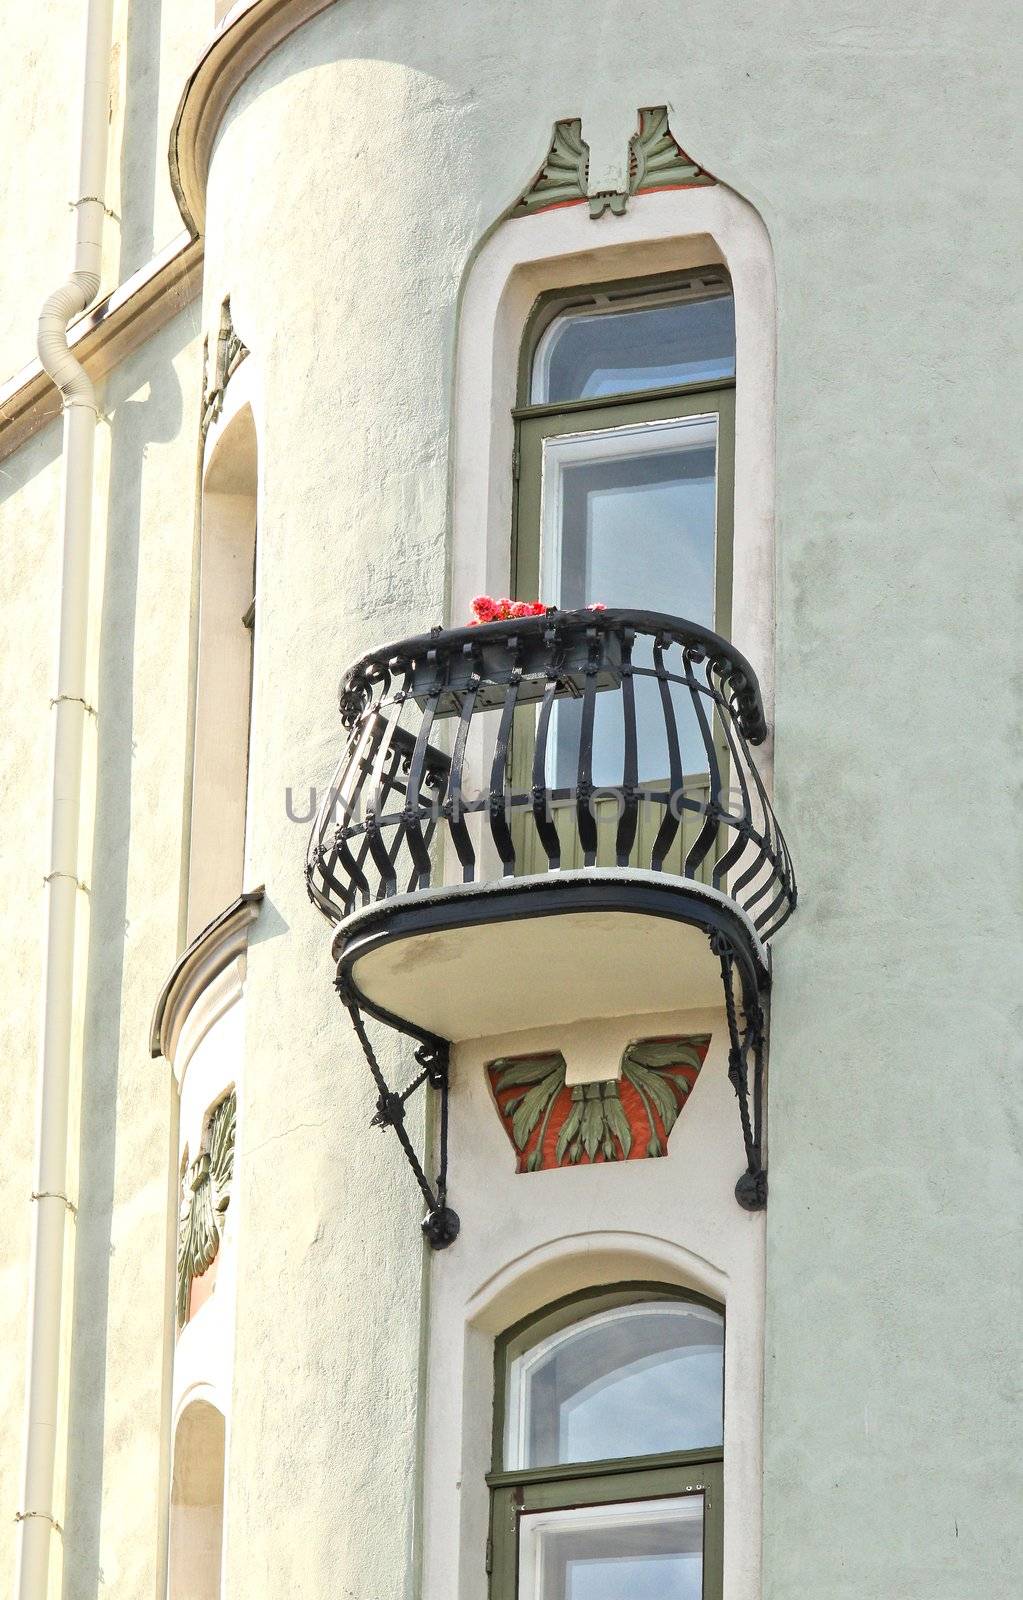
column 441, row 1224
column 745, row 1045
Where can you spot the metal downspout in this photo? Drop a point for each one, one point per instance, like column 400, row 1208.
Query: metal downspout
column 50, row 1202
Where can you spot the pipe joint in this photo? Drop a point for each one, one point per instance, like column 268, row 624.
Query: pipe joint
column 62, row 305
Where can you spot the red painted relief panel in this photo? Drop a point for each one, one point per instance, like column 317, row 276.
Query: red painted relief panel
column 554, row 1124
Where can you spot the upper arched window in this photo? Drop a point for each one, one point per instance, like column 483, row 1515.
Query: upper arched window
column 608, row 1448
column 624, row 448
column 624, row 461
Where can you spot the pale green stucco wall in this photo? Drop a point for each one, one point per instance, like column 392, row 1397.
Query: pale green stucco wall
column 875, row 145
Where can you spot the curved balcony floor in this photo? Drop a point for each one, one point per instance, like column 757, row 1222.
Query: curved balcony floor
column 549, row 949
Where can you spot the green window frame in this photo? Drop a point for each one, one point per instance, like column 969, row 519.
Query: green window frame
column 535, row 423
column 515, row 1492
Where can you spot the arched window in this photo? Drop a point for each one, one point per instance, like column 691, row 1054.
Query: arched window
column 224, row 673
column 608, row 1432
column 197, row 1504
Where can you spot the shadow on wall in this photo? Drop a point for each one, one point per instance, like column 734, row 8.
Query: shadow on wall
column 140, row 156
column 135, row 424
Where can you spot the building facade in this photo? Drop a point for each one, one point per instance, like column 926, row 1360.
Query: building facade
column 447, row 1158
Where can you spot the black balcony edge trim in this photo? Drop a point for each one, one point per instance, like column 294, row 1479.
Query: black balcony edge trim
column 495, row 890
column 752, row 717
column 420, row 914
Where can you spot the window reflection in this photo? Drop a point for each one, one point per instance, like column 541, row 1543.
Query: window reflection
column 587, row 353
column 638, row 1380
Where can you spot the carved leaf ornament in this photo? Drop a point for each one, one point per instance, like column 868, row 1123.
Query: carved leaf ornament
column 656, row 161
column 554, row 1124
column 206, row 1194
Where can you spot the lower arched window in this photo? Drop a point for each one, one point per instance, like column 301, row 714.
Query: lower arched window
column 606, row 1480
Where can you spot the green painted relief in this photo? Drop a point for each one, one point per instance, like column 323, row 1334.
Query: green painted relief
column 206, row 1194
column 562, row 178
column 656, row 161
column 231, row 352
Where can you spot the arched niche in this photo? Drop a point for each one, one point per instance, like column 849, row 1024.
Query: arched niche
column 224, row 672
column 197, row 1503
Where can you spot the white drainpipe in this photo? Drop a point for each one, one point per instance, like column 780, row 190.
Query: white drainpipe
column 50, row 1202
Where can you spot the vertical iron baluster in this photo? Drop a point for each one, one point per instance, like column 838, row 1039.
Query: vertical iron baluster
column 455, row 806
column 322, row 856
column 671, row 821
column 629, row 818
column 586, row 822
column 708, row 833
column 348, row 795
column 725, row 862
column 379, row 789
column 757, row 837
column 498, row 797
column 412, row 818
column 541, row 793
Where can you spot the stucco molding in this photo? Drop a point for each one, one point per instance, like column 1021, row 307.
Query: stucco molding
column 246, row 36
column 105, row 336
column 220, row 946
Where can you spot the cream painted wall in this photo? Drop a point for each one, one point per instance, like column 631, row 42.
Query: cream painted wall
column 155, row 45
column 131, row 862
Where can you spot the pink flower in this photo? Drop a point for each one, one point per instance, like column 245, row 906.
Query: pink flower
column 486, row 609
column 598, row 605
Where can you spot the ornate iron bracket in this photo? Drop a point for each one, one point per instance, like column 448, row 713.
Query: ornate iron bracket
column 440, row 1224
column 746, row 1049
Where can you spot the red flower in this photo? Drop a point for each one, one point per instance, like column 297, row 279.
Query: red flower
column 485, row 609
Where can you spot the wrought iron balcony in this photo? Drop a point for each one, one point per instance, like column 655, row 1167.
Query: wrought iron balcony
column 551, row 818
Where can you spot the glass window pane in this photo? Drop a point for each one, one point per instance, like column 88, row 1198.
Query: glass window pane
column 646, row 1550
column 587, row 354
column 637, row 1380
column 629, row 518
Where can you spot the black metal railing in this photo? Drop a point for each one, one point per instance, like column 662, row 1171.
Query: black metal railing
column 570, row 739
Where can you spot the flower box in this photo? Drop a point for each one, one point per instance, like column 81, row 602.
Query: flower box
column 496, row 659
